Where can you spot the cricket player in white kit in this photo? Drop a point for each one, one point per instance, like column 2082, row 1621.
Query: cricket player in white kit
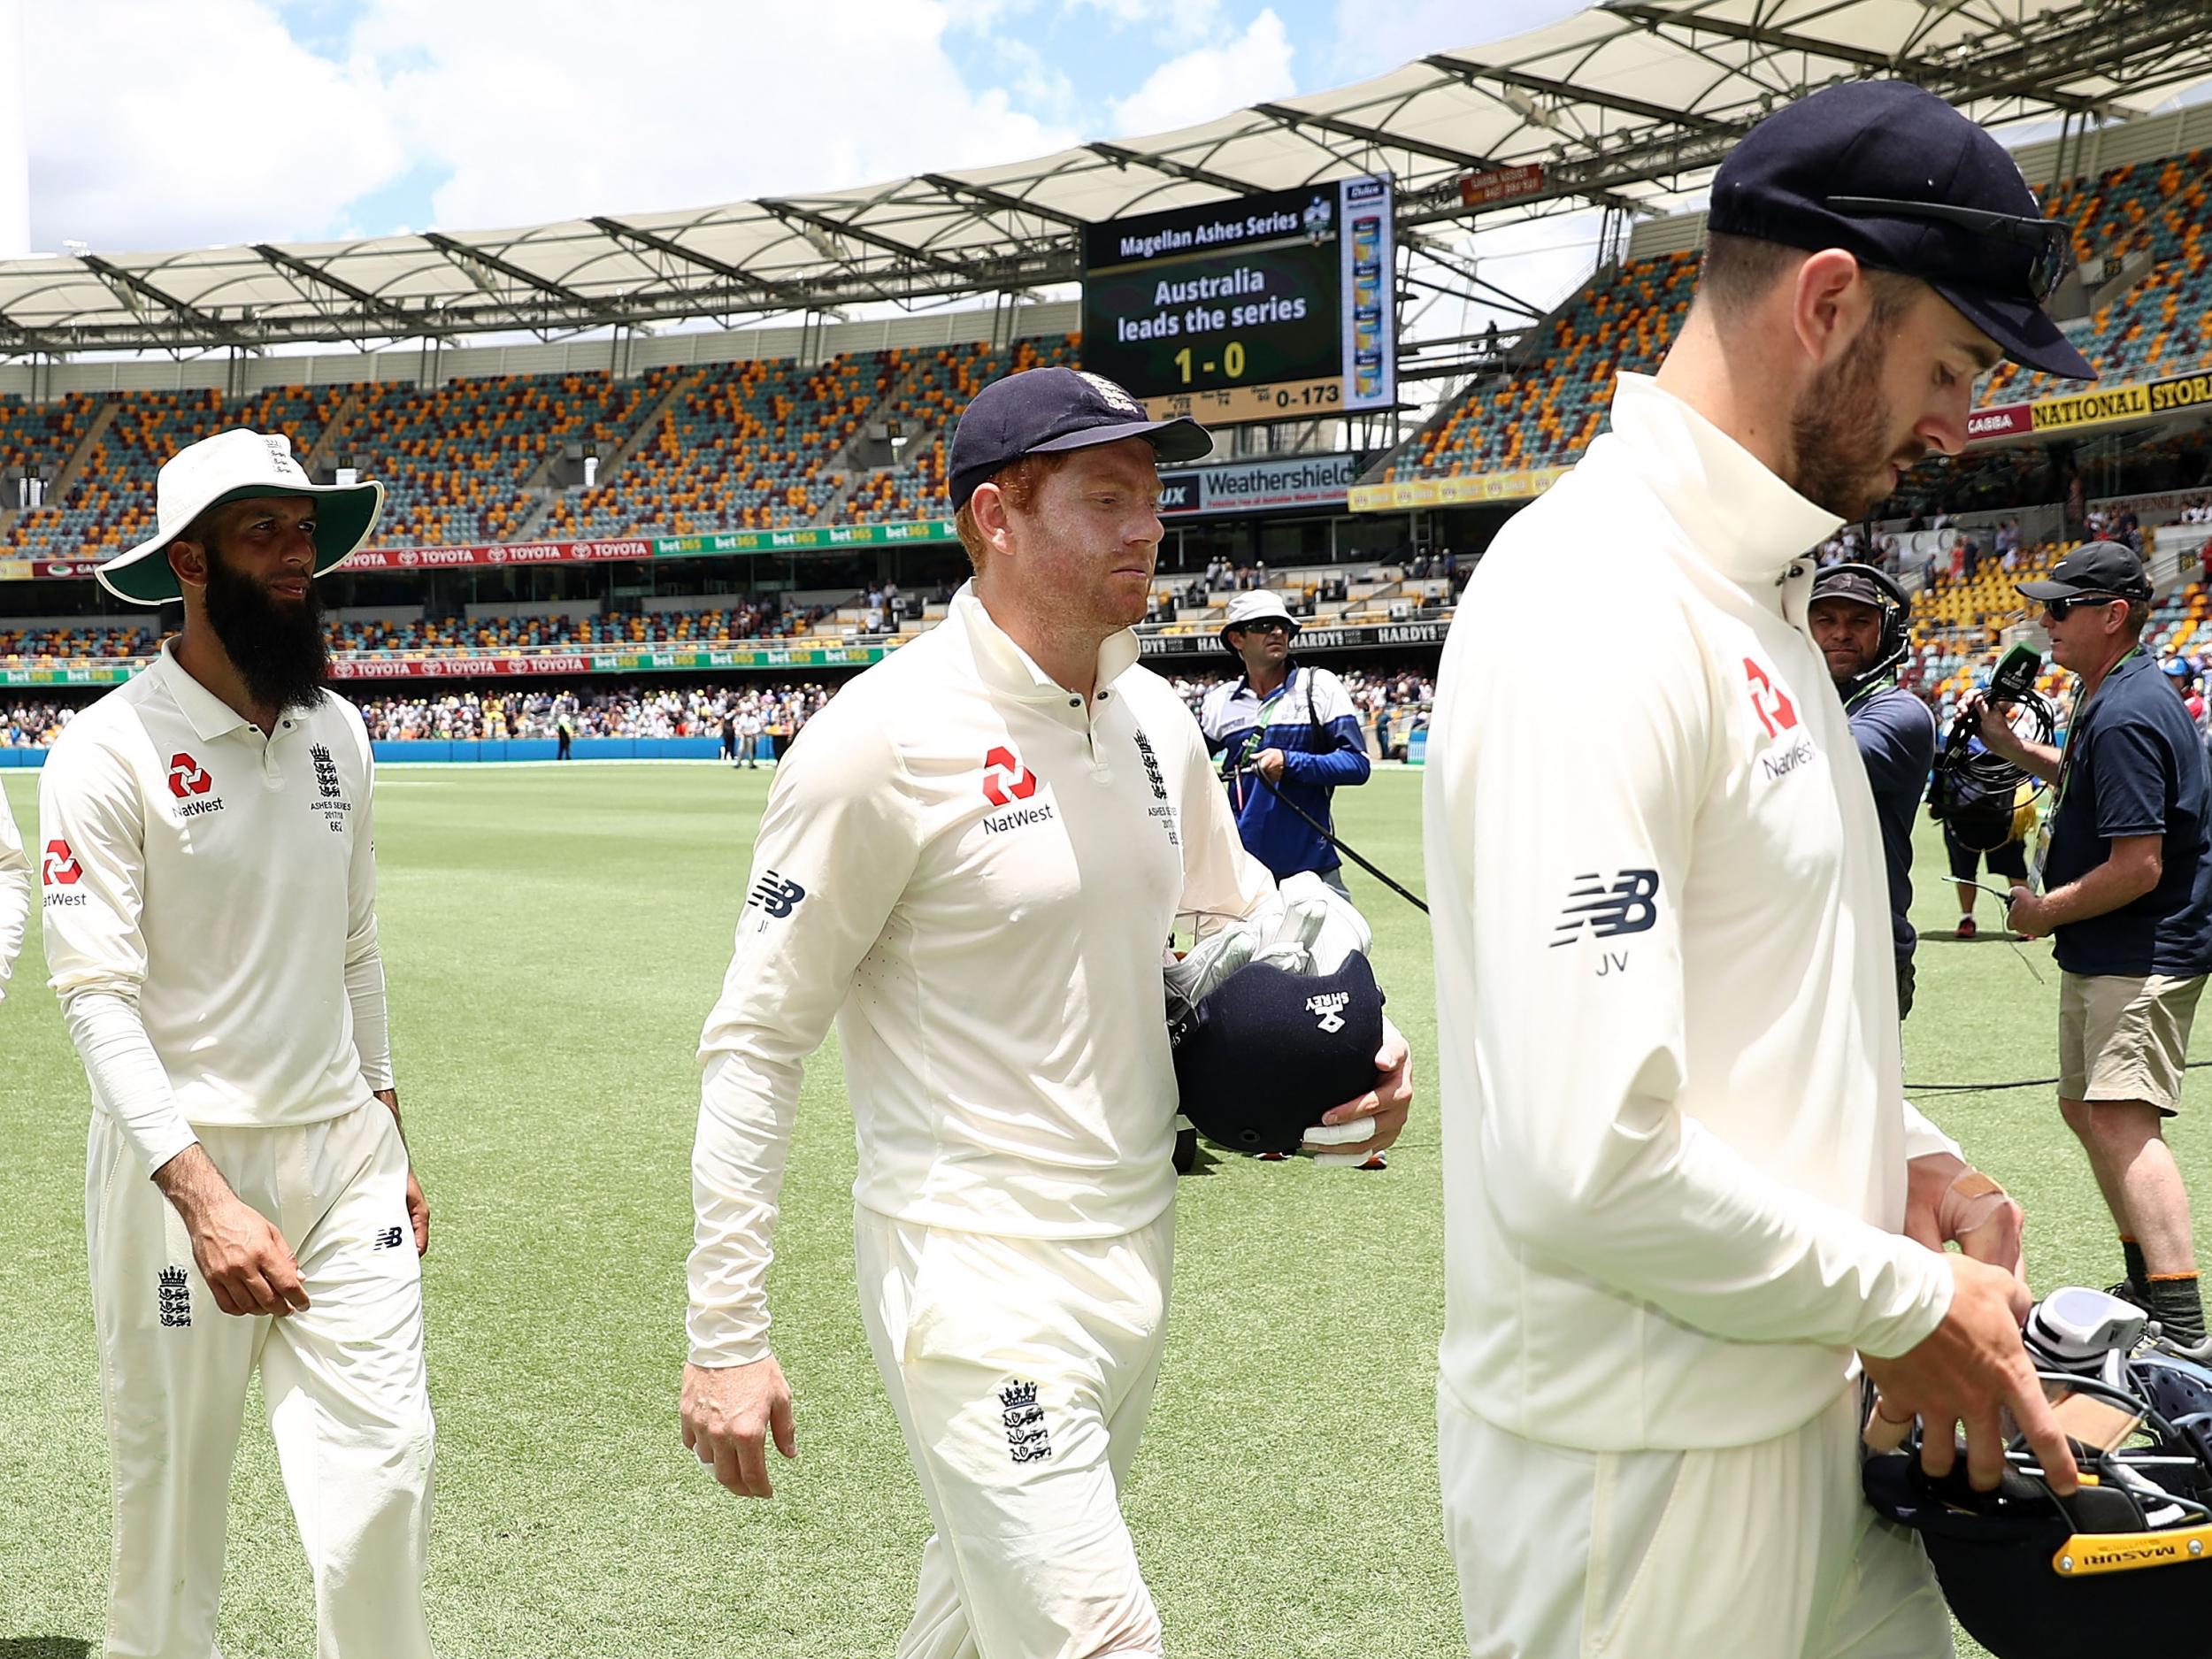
column 209, row 890
column 1685, row 1201
column 15, row 893
column 972, row 859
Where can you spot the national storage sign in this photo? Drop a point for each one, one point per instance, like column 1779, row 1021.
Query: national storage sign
column 1275, row 485
column 2124, row 403
column 2100, row 406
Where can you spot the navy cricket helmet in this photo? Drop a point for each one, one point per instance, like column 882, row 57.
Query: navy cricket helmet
column 2128, row 1556
column 1260, row 1058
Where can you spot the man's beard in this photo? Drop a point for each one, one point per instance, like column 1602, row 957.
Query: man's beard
column 1847, row 678
column 1840, row 434
column 278, row 649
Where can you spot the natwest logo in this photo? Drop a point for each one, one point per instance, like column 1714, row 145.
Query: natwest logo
column 1005, row 780
column 187, row 778
column 61, row 868
column 1768, row 701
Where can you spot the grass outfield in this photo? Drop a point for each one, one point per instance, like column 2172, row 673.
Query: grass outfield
column 554, row 939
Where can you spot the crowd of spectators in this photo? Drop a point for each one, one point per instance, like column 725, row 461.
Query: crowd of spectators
column 33, row 725
column 1391, row 703
column 628, row 712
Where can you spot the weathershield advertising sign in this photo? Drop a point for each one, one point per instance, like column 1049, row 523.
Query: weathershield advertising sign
column 1305, row 480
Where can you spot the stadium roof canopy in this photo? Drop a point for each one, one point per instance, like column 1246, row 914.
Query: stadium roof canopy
column 1628, row 105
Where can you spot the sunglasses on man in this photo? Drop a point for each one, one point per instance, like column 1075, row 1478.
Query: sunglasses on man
column 1273, row 624
column 2059, row 609
column 2053, row 242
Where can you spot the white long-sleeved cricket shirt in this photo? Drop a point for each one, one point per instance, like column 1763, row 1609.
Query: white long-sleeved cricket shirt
column 215, row 889
column 15, row 893
column 976, row 874
column 1674, row 1136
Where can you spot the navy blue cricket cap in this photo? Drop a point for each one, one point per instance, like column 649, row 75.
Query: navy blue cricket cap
column 2094, row 567
column 1895, row 177
column 1047, row 411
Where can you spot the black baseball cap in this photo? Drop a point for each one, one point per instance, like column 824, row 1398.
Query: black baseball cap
column 1895, row 177
column 2094, row 567
column 1842, row 582
column 1046, row 411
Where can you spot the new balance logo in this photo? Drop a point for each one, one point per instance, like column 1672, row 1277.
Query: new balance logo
column 1028, row 1437
column 172, row 1297
column 1623, row 906
column 388, row 1240
column 187, row 777
column 1330, row 1006
column 775, row 896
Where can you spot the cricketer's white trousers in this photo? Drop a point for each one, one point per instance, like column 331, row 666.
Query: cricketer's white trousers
column 348, row 1405
column 1765, row 1551
column 1021, row 1370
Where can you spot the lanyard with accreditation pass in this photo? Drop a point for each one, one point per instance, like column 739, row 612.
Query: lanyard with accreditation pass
column 1257, row 741
column 2065, row 771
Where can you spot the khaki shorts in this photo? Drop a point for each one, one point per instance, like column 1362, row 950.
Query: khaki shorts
column 2123, row 1037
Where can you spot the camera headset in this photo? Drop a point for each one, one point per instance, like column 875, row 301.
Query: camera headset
column 1855, row 582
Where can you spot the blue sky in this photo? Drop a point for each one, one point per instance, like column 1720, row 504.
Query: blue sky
column 151, row 124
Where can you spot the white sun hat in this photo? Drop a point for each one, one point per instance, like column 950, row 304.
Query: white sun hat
column 1256, row 604
column 236, row 466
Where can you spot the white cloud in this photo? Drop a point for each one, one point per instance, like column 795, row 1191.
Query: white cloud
column 1038, row 85
column 1210, row 81
column 153, row 124
column 1372, row 39
column 537, row 114
column 1190, row 19
column 156, row 124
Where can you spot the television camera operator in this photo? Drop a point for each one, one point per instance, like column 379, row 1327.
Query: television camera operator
column 2126, row 867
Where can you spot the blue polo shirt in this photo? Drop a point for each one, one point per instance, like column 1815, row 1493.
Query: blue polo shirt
column 1896, row 736
column 2134, row 765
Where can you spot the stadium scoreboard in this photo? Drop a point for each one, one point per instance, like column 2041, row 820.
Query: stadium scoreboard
column 1265, row 307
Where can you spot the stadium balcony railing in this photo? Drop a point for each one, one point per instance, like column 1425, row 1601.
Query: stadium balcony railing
column 717, row 624
column 1374, row 596
column 1371, row 596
